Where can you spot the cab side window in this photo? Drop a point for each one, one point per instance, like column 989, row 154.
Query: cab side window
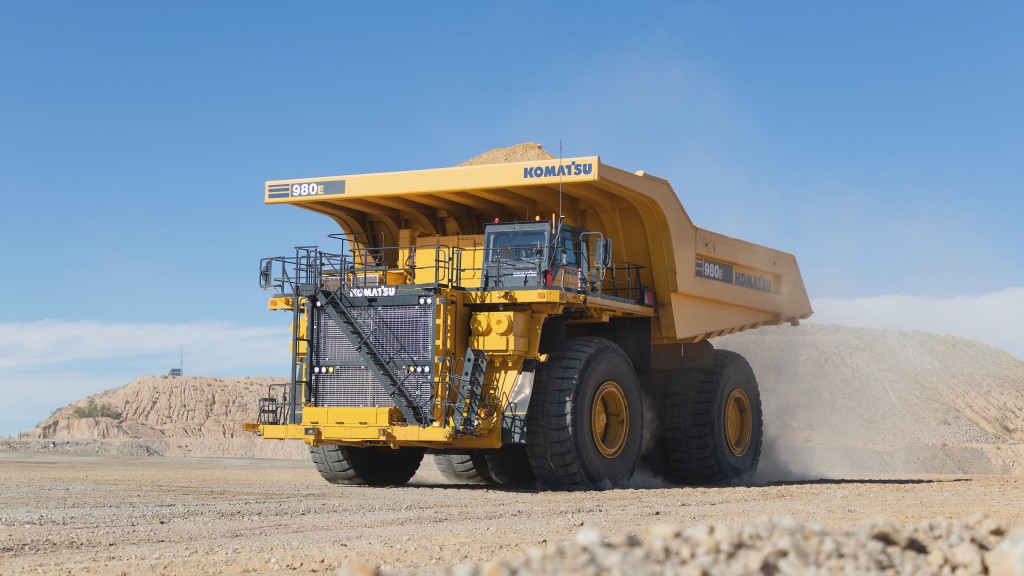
column 569, row 245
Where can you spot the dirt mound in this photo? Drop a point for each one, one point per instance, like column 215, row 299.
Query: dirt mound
column 846, row 401
column 183, row 416
column 519, row 153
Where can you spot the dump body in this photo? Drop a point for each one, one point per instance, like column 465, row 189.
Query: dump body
column 706, row 284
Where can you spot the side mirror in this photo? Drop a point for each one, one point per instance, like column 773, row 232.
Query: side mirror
column 265, row 269
column 603, row 252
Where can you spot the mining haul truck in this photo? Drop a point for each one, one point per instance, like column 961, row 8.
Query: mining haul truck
column 538, row 322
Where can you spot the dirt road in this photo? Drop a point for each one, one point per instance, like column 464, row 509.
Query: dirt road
column 110, row 515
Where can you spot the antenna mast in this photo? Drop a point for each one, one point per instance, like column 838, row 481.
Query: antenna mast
column 559, row 179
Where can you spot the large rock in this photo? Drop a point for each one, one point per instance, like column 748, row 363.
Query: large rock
column 1008, row 558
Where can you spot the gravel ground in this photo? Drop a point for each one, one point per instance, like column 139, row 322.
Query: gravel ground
column 772, row 546
column 111, row 515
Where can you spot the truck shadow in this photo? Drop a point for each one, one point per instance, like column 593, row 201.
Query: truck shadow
column 658, row 484
column 883, row 481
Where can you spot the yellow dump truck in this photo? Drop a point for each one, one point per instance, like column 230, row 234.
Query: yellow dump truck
column 543, row 321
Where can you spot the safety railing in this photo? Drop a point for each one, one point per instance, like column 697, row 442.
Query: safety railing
column 360, row 266
column 436, row 266
column 622, row 280
column 275, row 408
column 517, row 267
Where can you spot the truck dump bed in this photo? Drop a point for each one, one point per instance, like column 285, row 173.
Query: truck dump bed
column 706, row 284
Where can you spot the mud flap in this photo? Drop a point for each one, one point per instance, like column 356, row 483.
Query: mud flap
column 513, row 417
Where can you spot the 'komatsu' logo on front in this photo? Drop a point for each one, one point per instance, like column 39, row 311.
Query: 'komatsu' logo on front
column 371, row 292
column 571, row 169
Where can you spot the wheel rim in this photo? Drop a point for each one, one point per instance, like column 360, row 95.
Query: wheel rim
column 609, row 419
column 739, row 422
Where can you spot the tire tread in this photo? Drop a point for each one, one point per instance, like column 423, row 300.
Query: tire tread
column 464, row 468
column 551, row 439
column 364, row 466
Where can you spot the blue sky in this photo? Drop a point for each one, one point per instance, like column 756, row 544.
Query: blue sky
column 880, row 142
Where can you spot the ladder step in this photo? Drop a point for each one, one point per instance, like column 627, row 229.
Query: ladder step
column 470, row 391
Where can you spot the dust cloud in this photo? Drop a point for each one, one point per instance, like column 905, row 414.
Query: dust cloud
column 850, row 402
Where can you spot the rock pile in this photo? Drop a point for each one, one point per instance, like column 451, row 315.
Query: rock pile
column 774, row 546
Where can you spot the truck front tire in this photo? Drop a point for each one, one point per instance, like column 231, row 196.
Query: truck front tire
column 584, row 427
column 367, row 466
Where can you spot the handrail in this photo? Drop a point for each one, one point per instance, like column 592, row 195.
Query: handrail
column 450, row 267
column 275, row 408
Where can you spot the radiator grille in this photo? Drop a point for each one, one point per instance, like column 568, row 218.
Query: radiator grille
column 404, row 333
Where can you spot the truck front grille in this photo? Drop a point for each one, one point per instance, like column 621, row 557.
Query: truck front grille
column 404, row 334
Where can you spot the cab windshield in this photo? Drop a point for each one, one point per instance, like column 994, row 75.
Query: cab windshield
column 517, row 245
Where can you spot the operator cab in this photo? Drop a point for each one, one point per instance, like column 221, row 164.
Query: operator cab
column 532, row 254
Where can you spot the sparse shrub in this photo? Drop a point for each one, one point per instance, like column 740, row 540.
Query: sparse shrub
column 93, row 410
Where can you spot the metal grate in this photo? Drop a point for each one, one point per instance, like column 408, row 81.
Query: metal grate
column 404, row 327
column 332, row 345
column 350, row 386
column 392, row 330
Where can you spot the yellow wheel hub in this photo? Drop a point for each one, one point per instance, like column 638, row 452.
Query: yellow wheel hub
column 609, row 419
column 739, row 422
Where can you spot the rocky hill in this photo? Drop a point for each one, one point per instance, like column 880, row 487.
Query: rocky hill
column 172, row 416
column 837, row 401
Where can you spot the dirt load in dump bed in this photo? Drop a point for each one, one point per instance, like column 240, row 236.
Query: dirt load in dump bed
column 518, row 153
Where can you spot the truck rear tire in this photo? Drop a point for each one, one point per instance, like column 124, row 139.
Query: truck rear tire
column 713, row 423
column 584, row 426
column 366, row 466
column 464, row 468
